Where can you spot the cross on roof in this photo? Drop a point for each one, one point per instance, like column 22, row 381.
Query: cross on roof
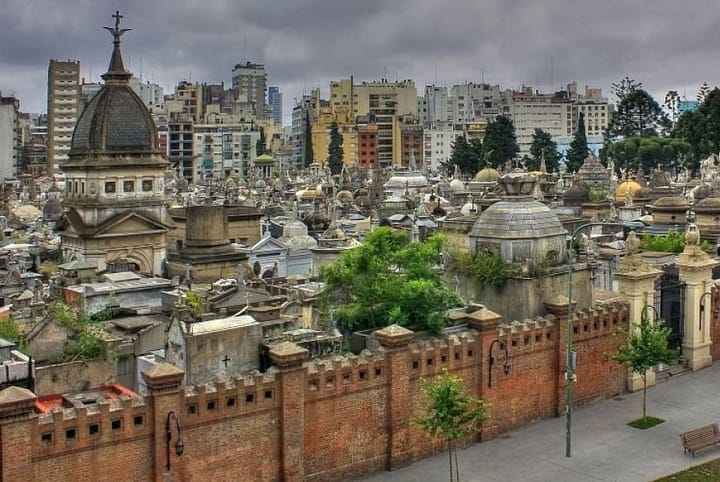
column 117, row 18
column 226, row 360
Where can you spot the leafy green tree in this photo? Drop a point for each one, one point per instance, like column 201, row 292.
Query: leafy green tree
column 335, row 150
column 650, row 152
column 543, row 147
column 308, row 155
column 647, row 346
column 638, row 114
column 578, row 151
column 387, row 280
column 467, row 156
column 500, row 144
column 451, row 413
column 700, row 128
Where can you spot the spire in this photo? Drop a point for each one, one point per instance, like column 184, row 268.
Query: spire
column 116, row 70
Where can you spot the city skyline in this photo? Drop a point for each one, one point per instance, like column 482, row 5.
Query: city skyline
column 306, row 44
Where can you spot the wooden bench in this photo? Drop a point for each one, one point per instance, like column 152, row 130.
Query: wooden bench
column 700, row 438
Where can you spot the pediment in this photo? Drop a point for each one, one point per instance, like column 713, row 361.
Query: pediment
column 268, row 244
column 130, row 223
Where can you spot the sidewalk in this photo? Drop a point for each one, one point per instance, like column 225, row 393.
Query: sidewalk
column 604, row 448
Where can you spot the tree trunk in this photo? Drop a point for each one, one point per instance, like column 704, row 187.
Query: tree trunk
column 644, row 377
column 450, row 459
column 457, row 469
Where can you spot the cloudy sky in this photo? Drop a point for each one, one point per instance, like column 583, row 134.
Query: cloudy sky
column 666, row 44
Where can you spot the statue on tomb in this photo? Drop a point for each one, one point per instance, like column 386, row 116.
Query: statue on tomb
column 632, row 244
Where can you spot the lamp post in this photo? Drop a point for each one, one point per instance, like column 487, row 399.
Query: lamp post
column 491, row 359
column 570, row 357
column 179, row 445
column 643, row 315
column 702, row 308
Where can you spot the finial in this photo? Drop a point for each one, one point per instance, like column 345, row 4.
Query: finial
column 116, row 71
column 117, row 32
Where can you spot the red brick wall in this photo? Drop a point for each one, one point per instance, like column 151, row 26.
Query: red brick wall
column 340, row 418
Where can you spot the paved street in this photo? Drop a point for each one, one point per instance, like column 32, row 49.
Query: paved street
column 604, row 448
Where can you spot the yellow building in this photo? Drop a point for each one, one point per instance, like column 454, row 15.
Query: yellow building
column 321, row 135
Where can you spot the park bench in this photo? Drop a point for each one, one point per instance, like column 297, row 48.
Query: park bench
column 700, row 438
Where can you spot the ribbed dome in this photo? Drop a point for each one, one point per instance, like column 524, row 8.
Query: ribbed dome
column 487, row 174
column 115, row 121
column 522, row 220
column 625, row 186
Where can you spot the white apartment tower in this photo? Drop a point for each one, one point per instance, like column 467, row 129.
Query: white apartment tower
column 63, row 109
column 249, row 82
column 9, row 137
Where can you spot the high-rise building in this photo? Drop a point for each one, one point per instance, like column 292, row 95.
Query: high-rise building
column 9, row 137
column 434, row 106
column 223, row 150
column 389, row 104
column 63, row 104
column 275, row 103
column 303, row 116
column 249, row 82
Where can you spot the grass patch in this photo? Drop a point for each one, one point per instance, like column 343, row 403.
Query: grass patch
column 709, row 471
column 645, row 423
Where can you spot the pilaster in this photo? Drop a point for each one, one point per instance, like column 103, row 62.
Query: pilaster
column 163, row 381
column 288, row 358
column 16, row 427
column 636, row 282
column 695, row 268
column 394, row 340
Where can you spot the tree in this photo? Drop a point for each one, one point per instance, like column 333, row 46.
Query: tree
column 467, row 156
column 451, row 413
column 500, row 144
column 647, row 346
column 703, row 92
column 578, row 151
column 638, row 114
column 260, row 144
column 389, row 280
column 672, row 103
column 308, row 156
column 625, row 87
column 648, row 152
column 335, row 150
column 543, row 147
column 700, row 128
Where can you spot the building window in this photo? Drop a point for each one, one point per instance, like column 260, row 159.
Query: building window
column 128, row 186
column 147, row 185
column 109, row 187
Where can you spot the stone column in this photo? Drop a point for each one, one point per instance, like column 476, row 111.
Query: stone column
column 288, row 358
column 636, row 281
column 696, row 272
column 394, row 340
column 16, row 430
column 163, row 381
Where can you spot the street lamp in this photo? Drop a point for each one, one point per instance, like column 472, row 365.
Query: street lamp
column 491, row 360
column 570, row 358
column 179, row 445
column 702, row 308
column 643, row 315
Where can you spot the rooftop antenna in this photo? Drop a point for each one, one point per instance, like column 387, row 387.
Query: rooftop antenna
column 244, row 47
column 436, row 73
column 141, row 67
column 552, row 73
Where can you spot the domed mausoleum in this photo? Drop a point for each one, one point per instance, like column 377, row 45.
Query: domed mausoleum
column 115, row 215
column 518, row 227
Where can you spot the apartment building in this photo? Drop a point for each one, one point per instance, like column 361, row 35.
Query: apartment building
column 10, row 147
column 222, row 150
column 63, row 108
column 249, row 81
